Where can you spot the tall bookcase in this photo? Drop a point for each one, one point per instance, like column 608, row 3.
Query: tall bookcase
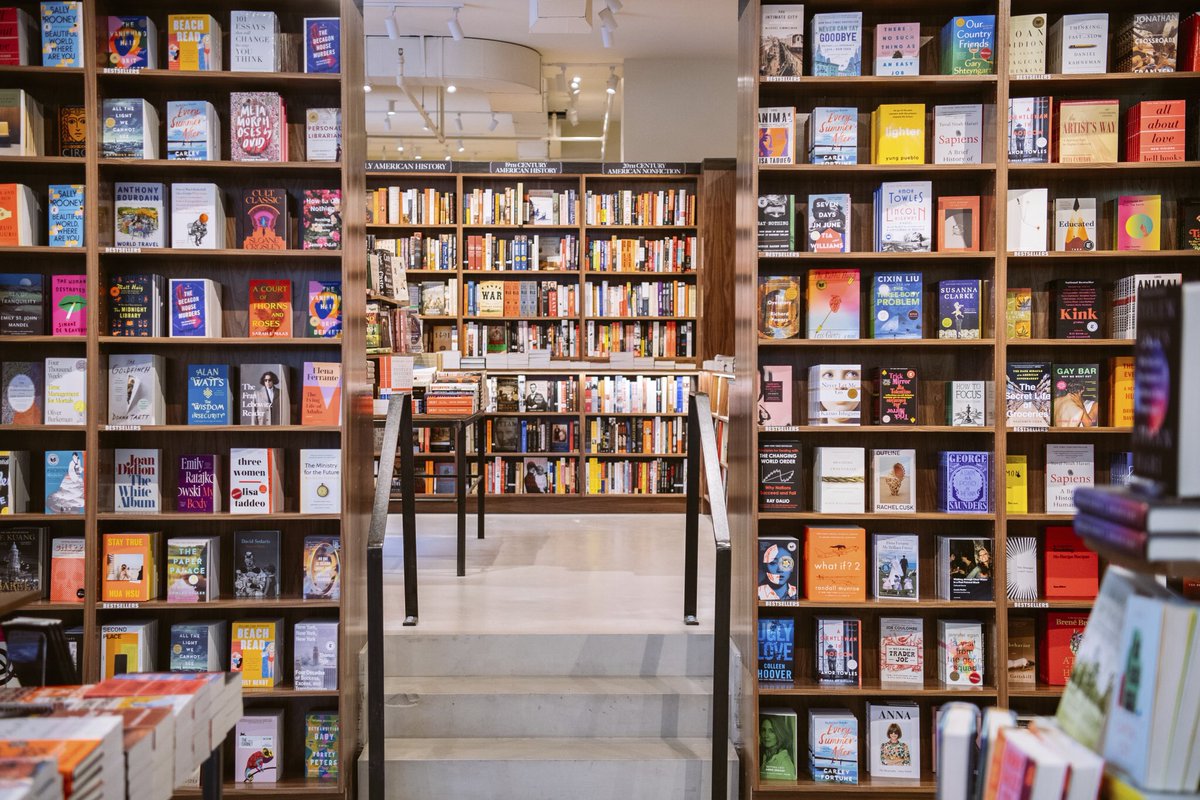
column 937, row 361
column 89, row 85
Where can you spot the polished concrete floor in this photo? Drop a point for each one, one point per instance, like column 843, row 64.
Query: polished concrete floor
column 550, row 573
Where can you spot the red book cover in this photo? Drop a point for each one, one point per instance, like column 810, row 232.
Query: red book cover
column 1063, row 635
column 1072, row 570
column 1189, row 44
column 262, row 222
column 257, row 127
column 271, row 308
column 10, row 226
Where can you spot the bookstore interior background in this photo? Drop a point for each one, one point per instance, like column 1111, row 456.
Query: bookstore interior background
column 932, row 274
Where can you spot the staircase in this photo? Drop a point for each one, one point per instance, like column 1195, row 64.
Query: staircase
column 545, row 716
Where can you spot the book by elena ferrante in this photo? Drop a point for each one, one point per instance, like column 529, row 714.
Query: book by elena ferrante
column 965, row 482
column 959, row 306
column 193, row 131
column 130, row 567
column 836, row 44
column 254, row 41
column 1068, row 466
column 321, row 219
column 1075, row 309
column 320, row 481
column 835, row 394
column 1088, row 132
column 901, row 650
column 262, row 220
column 833, row 304
column 896, row 566
column 897, row 48
column 777, row 223
column 199, row 489
column 893, row 481
column 193, row 574
column 833, row 745
column 322, row 568
column 323, row 134
column 1027, row 395
column 833, row 135
column 1030, row 129
column 904, row 217
column 256, row 564
column 321, row 393
column 1027, row 44
column 778, row 307
column 315, row 644
column 270, row 308
column 255, row 480
column 132, row 43
column 777, row 135
column 324, row 318
column 1078, row 44
column 209, row 395
column 1138, row 222
column 22, row 304
column 896, row 305
column 64, row 481
column 67, row 570
column 969, row 45
column 898, row 134
column 137, row 481
column 776, row 649
column 1075, row 224
column 20, row 214
column 197, row 216
column 24, row 560
column 837, row 649
column 781, row 41
column 257, row 127
column 1076, row 395
column 257, row 650
column 961, row 654
column 958, row 134
column 72, row 131
column 835, row 563
column 322, row 733
column 1147, row 43
column 198, row 647
column 779, row 570
column 958, row 224
column 130, row 129
column 829, row 223
column 22, row 385
column 897, row 397
column 65, row 214
column 193, row 43
column 66, row 391
column 195, row 307
column 61, row 23
column 1018, row 313
column 322, row 44
column 140, row 215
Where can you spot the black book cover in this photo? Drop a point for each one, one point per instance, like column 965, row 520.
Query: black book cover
column 22, row 560
column 776, row 223
column 780, row 475
column 1076, row 309
column 838, row 650
column 898, row 396
column 1189, row 224
column 130, row 305
column 22, row 305
column 256, row 563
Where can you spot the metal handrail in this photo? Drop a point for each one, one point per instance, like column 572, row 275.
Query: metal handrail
column 702, row 460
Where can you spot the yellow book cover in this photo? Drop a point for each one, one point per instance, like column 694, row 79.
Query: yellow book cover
column 130, row 567
column 1016, row 484
column 900, row 134
column 256, row 651
column 1120, row 391
column 193, row 42
column 1087, row 131
column 491, row 299
column 1018, row 314
column 123, row 647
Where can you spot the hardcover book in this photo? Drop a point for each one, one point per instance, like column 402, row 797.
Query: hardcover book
column 262, row 223
column 1147, row 43
column 833, row 745
column 1075, row 309
column 64, row 481
column 776, row 650
column 959, row 307
column 68, row 305
column 1087, row 131
column 65, row 223
column 140, row 215
column 1076, row 395
column 66, row 570
column 209, row 395
column 23, row 385
column 137, row 481
column 958, row 134
column 777, row 135
column 833, row 135
column 19, row 216
column 24, row 562
column 22, row 304
column 1016, row 484
column 839, row 478
column 197, row 216
column 321, row 219
column 1126, row 298
column 894, row 475
column 324, row 310
column 254, row 44
column 1120, row 391
column 18, row 30
column 61, row 23
column 961, row 657
column 316, row 655
column 778, row 570
column 964, row 568
column 901, row 651
column 265, row 399
column 897, row 567
column 321, row 393
column 1018, row 313
column 320, row 481
column 1072, row 568
column 1064, row 632
column 256, row 564
column 1156, row 130
column 1078, row 44
column 22, row 118
column 777, row 223
column 1075, row 224
column 829, row 223
column 322, row 44
column 257, row 127
column 255, row 480
column 199, row 490
column 321, row 736
column 135, row 390
column 130, row 567
column 897, row 48
column 1068, row 466
column 896, row 305
column 193, row 131
column 775, row 395
column 323, row 134
column 1027, row 396
column 894, row 740
column 838, row 651
column 14, row 482
column 72, row 131
column 66, row 391
column 781, row 745
column 898, row 134
column 958, row 224
column 836, row 44
column 1021, row 568
column 1022, row 651
column 130, row 129
column 127, row 647
column 969, row 45
column 322, row 567
column 835, row 560
column 897, row 396
column 778, row 307
column 193, row 574
column 193, row 42
column 1027, row 44
column 198, row 647
column 1027, row 210
column 195, row 307
column 964, row 482
column 257, row 650
column 904, row 217
column 780, row 475
column 781, row 42
column 1030, row 129
column 835, row 394
column 833, row 304
column 1138, row 222
column 270, row 308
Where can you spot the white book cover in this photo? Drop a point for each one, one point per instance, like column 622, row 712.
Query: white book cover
column 961, row 656
column 839, row 480
column 66, row 391
column 315, row 658
column 958, row 134
column 258, row 744
column 901, row 651
column 1079, row 44
column 966, row 403
column 323, row 134
column 139, row 215
column 1027, row 44
column 255, row 480
column 136, row 481
column 904, row 217
column 254, row 41
column 1075, row 224
column 894, row 740
column 1021, row 568
column 320, row 481
column 1027, row 213
column 135, row 390
column 835, row 394
column 1068, row 466
column 197, row 216
column 894, row 481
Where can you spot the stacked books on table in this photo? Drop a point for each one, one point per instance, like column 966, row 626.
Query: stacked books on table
column 454, row 393
column 1118, row 520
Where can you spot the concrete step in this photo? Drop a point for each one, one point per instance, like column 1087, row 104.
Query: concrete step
column 548, row 769
column 580, row 707
column 562, row 654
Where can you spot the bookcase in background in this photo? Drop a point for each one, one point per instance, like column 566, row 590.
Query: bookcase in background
column 87, row 86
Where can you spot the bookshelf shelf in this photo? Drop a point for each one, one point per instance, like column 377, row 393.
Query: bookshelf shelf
column 43, row 428
column 636, row 276
column 404, row 226
column 1041, row 344
column 285, row 690
column 169, row 168
column 1039, row 690
column 623, row 456
column 1140, row 82
column 885, row 605
column 163, row 254
column 920, row 516
column 866, row 783
column 874, row 429
column 41, row 250
column 9, row 162
column 190, row 343
column 484, row 274
column 534, row 414
column 878, row 343
column 956, row 255
column 283, row 788
column 1040, row 517
column 1094, row 431
column 811, row 688
column 1036, row 605
column 640, row 319
column 542, row 454
column 159, row 79
column 226, row 603
column 1095, row 171
column 478, row 226
column 48, row 606
column 31, row 517
column 633, row 414
column 1101, row 255
column 223, row 516
column 872, row 171
column 28, row 340
column 509, row 319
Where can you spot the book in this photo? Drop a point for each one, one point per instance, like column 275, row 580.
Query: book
column 209, row 395
column 320, row 481
column 1030, row 129
column 61, row 23
column 262, row 223
column 779, row 742
column 961, row 656
column 1138, row 222
column 1120, row 469
column 901, row 651
column 1022, row 651
column 958, row 224
column 257, row 127
column 199, row 490
column 896, row 306
column 68, row 305
column 1018, row 313
column 964, row 568
column 780, row 475
column 1126, row 299
column 323, row 134
column 324, row 310
column 958, row 134
column 14, row 481
column 959, row 305
column 321, row 737
column 65, row 402
column 897, row 48
column 135, row 390
column 904, row 217
column 127, row 647
column 894, row 740
column 193, row 569
column 1027, row 44
column 270, row 308
column 65, row 215
column 837, row 650
column 776, row 650
column 264, row 394
column 777, row 135
column 18, row 31
column 833, row 304
column 255, row 482
column 1027, row 395
column 835, row 394
column 893, row 479
column 254, row 44
column 20, row 215
column 72, row 131
column 198, row 647
column 322, row 44
column 139, row 215
column 197, row 216
column 1188, row 53
column 321, row 393
column 22, row 387
column 1068, row 466
column 829, row 223
column 1075, row 224
column 776, row 223
column 969, row 45
column 66, row 570
column 130, row 129
column 137, row 487
column 22, row 122
column 833, row 745
column 1072, row 569
column 778, row 307
column 836, row 41
column 833, row 135
column 22, row 304
column 256, row 564
column 316, row 655
column 1147, row 43
column 897, row 572
column 897, row 397
column 130, row 567
column 965, row 482
column 193, row 131
column 1016, row 484
column 257, row 650
column 1021, row 568
column 194, row 308
column 1076, row 402
column 781, row 41
column 1078, row 44
column 898, row 134
column 1120, row 391
column 778, row 578
column 1027, row 210
column 1156, row 130
column 1063, row 635
column 839, row 478
column 835, row 559
column 322, row 567
column 193, row 43
column 1087, row 131
column 24, row 563
column 321, row 219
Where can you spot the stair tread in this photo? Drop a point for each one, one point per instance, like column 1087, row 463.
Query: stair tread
column 548, row 685
column 549, row 749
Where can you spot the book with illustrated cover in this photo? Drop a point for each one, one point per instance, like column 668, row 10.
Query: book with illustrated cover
column 897, row 571
column 22, row 387
column 65, row 474
column 777, row 135
column 315, row 645
column 65, row 211
column 193, row 574
column 897, row 48
column 199, row 490
column 256, row 564
column 320, row 481
column 959, row 305
column 14, row 482
column 958, row 224
column 130, row 567
column 322, row 733
column 776, row 223
column 781, row 42
column 780, row 475
column 18, row 31
column 1018, row 313
column 135, row 389
column 61, row 23
column 969, row 45
column 193, row 42
column 894, row 740
column 829, row 223
column 22, row 304
column 961, row 655
column 1138, row 222
column 898, row 134
column 321, row 219
column 778, row 570
column 65, row 401
column 833, row 745
column 836, row 44
column 965, row 482
column 1028, row 396
column 323, row 134
column 24, row 563
column 195, row 307
column 270, row 311
column 904, row 217
column 140, row 215
column 1021, row 568
column 324, row 319
column 322, row 44
column 1072, row 568
column 893, row 481
column 322, row 567
column 137, row 481
column 896, row 306
column 1075, row 224
column 778, row 307
column 958, row 134
column 837, row 649
column 1156, row 131
column 1147, row 43
column 1076, row 402
column 130, row 129
column 254, row 44
column 72, row 131
column 1030, row 129
column 68, row 305
column 835, row 563
column 209, row 395
column 128, row 647
column 1088, row 132
column 1078, row 44
column 1027, row 44
column 66, row 570
column 839, row 480
column 833, row 135
column 262, row 221
column 897, row 397
column 1126, row 298
column 257, row 127
column 257, row 650
column 776, row 650
column 1120, row 391
column 901, row 651
column 1016, row 484
column 833, row 304
column 22, row 118
column 193, row 131
column 321, row 393
column 197, row 216
column 198, row 647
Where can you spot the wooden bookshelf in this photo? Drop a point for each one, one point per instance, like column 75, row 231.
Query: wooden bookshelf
column 936, row 362
column 99, row 260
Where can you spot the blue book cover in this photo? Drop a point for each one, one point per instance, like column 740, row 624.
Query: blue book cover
column 189, row 647
column 776, row 650
column 837, row 44
column 833, row 745
column 965, row 484
column 322, row 44
column 190, row 306
column 124, row 134
column 188, row 128
column 66, row 214
column 1121, row 469
column 210, row 397
column 64, row 481
column 896, row 306
column 958, row 309
column 62, row 34
column 324, row 310
column 833, row 135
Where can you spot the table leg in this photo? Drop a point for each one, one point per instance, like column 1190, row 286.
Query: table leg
column 460, row 485
column 210, row 776
column 481, row 453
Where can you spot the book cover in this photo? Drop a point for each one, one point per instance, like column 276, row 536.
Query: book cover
column 323, row 134
column 1022, row 651
column 833, row 135
column 838, row 651
column 197, row 216
column 898, row 134
column 780, row 475
column 264, row 393
column 969, row 45
column 209, row 395
column 836, row 41
column 65, row 402
column 137, row 481
column 1138, row 222
column 193, row 42
column 61, row 24
column 255, row 482
column 254, row 44
column 959, row 303
column 64, row 481
column 833, row 304
column 1068, row 466
column 965, row 482
column 961, row 655
column 23, row 563
column 1027, row 44
column 781, row 41
column 72, row 131
column 958, row 134
column 140, row 215
column 322, row 567
column 316, row 655
column 1064, row 632
column 1156, row 131
column 894, row 475
column 130, row 567
column 257, row 127
column 65, row 212
column 964, row 568
column 23, row 122
column 1076, row 402
column 127, row 648
column 270, row 308
column 896, row 567
column 324, row 319
column 1027, row 396
column 1075, row 224
column 198, row 490
column 192, row 128
column 833, row 745
column 1021, row 568
column 130, row 129
column 835, row 560
column 1016, row 484
column 68, row 305
column 958, row 224
column 66, row 570
column 262, row 223
column 23, row 384
column 14, row 481
column 1126, row 298
column 1120, row 469
column 778, row 573
column 829, row 223
column 321, row 393
column 835, row 394
column 197, row 647
column 894, row 740
column 256, row 564
column 1147, row 43
column 1072, row 569
column 195, row 307
column 257, row 651
column 321, row 737
column 776, row 223
column 321, row 219
column 19, row 216
column 135, row 389
column 778, row 307
column 1030, row 129
column 1018, row 313
column 897, row 48
column 897, row 396
column 1120, row 391
column 1087, row 131
column 1078, row 44
column 22, row 304
column 839, row 480
column 17, row 33
column 901, row 651
column 1027, row 210
column 320, row 481
column 322, row 44
column 192, row 569
column 776, row 649
column 777, row 135
column 904, row 217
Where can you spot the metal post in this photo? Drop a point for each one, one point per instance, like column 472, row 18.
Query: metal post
column 408, row 496
column 720, row 728
column 481, row 485
column 692, row 519
column 460, row 489
column 375, row 705
column 211, row 774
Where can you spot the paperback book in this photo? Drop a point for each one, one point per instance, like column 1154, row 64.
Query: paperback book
column 1030, row 129
column 961, row 657
column 904, row 217
column 193, row 42
column 322, row 44
column 68, row 305
column 256, row 565
column 321, row 219
column 829, row 223
column 835, row 561
column 262, row 221
column 833, row 304
column 781, row 42
column 1075, row 308
column 1075, row 224
column 1078, row 44
column 779, row 475
column 1068, row 466
column 894, row 740
column 969, row 45
column 776, row 650
column 130, row 567
column 775, row 395
column 316, row 655
column 1027, row 211
column 257, row 127
column 897, row 48
column 135, row 390
column 140, row 215
column 199, row 490
column 1076, row 395
column 1027, row 396
column 897, row 397
column 780, row 744
column 777, row 223
column 65, row 402
column 24, row 562
column 258, row 650
column 896, row 305
column 778, row 307
column 959, row 304
column 255, row 480
column 897, row 567
column 254, row 44
column 130, row 129
column 136, row 481
column 833, row 135
column 193, row 131
column 193, row 574
column 195, row 307
column 64, row 481
column 324, row 310
column 197, row 216
column 833, row 745
column 835, row 394
column 958, row 224
column 320, row 481
column 198, row 647
column 23, row 387
column 777, row 135
column 322, row 567
column 1021, row 568
column 321, row 393
column 898, row 134
column 965, row 482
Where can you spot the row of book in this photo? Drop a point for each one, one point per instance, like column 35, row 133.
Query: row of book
column 1136, row 223
column 193, row 41
column 644, row 299
column 260, row 750
column 521, row 252
column 397, row 205
column 417, row 252
column 518, row 436
column 434, row 298
column 1042, row 130
column 521, row 298
column 650, row 338
column 531, row 475
column 514, row 205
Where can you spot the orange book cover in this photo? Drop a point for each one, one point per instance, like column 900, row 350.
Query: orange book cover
column 69, row 753
column 66, row 571
column 1072, row 570
column 129, row 567
column 10, row 228
column 321, row 397
column 1120, row 391
column 958, row 224
column 835, row 564
column 512, row 299
column 271, row 308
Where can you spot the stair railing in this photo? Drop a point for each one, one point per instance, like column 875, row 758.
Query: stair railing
column 702, row 462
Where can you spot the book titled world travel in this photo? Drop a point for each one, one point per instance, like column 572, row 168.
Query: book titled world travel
column 776, row 650
column 780, row 475
column 209, row 395
column 959, row 309
column 321, row 219
column 65, row 211
column 777, row 223
column 270, row 308
column 324, row 319
column 198, row 488
column 140, row 215
column 322, row 44
column 256, row 564
column 262, row 220
column 896, row 305
column 965, row 482
column 897, row 397
column 22, row 304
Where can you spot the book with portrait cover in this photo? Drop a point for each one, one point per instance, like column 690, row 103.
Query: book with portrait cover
column 777, row 223
column 257, row 127
column 777, row 135
column 833, row 135
column 264, row 396
column 776, row 649
column 778, row 307
column 140, row 215
column 833, row 304
column 130, row 567
column 778, row 570
column 781, row 42
column 72, row 131
column 1076, row 401
column 256, row 564
column 894, row 740
column 780, row 475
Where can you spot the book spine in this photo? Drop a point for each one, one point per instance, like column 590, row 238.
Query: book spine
column 1127, row 540
column 1112, row 507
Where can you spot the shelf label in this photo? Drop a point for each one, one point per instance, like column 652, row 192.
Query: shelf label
column 643, row 168
column 121, row 70
column 1031, row 604
column 778, row 254
column 525, row 167
column 123, row 249
column 410, row 166
column 779, row 604
column 1027, row 253
column 120, row 605
column 780, row 79
column 122, row 427
column 782, row 428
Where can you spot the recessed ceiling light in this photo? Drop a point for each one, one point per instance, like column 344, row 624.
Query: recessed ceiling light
column 451, row 88
column 367, row 88
column 462, row 148
column 417, row 156
column 399, row 148
column 494, row 123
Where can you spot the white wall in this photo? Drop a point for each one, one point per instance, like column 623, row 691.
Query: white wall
column 679, row 110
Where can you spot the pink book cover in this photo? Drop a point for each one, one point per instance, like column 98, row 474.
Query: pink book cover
column 68, row 300
column 833, row 304
column 257, row 126
column 897, row 40
column 1138, row 221
column 775, row 403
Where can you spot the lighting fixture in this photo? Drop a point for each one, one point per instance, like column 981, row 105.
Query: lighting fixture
column 387, row 123
column 462, row 148
column 575, row 81
column 392, row 32
column 560, row 80
column 417, row 156
column 493, row 124
column 391, row 112
column 455, row 27
column 607, row 20
column 614, row 5
column 399, row 148
column 367, row 88
column 458, row 122
column 451, row 88
column 573, row 116
column 606, row 36
column 447, row 157
column 613, row 81
column 425, row 127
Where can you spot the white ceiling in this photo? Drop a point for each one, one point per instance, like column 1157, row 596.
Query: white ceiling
column 646, row 29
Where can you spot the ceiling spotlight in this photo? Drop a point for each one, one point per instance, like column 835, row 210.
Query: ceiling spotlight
column 425, row 127
column 606, row 36
column 366, row 88
column 447, row 157
column 614, row 5
column 462, row 148
column 607, row 20
column 560, row 80
column 391, row 111
column 417, row 156
column 573, row 116
column 399, row 148
column 392, row 32
column 458, row 121
column 613, row 81
column 455, row 27
column 493, row 124
column 451, row 88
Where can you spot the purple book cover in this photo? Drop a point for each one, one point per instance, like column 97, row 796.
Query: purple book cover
column 198, row 484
